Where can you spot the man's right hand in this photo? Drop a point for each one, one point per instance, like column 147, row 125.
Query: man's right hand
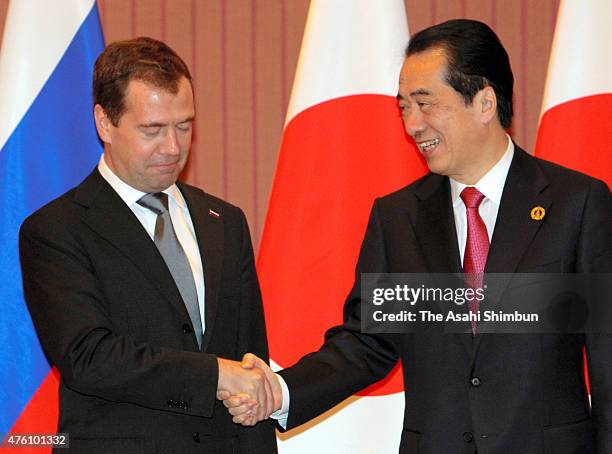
column 240, row 405
column 248, row 385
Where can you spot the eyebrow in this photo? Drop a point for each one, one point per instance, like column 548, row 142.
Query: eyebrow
column 420, row 91
column 156, row 124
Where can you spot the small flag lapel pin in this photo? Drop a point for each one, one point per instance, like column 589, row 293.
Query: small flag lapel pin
column 213, row 213
column 538, row 213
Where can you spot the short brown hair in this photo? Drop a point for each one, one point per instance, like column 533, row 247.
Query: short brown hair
column 144, row 59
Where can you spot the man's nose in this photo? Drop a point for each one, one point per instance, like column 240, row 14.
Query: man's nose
column 413, row 122
column 170, row 145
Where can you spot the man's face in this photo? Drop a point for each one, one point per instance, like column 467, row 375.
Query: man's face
column 447, row 131
column 149, row 146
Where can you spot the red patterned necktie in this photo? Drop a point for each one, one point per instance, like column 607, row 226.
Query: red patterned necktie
column 476, row 246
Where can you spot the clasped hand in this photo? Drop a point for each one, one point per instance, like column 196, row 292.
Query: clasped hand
column 249, row 389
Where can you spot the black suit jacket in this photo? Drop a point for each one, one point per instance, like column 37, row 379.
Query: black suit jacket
column 531, row 395
column 111, row 319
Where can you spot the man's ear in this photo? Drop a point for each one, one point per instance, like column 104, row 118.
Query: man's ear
column 103, row 123
column 486, row 103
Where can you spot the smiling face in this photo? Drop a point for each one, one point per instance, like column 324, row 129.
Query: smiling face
column 451, row 135
column 150, row 144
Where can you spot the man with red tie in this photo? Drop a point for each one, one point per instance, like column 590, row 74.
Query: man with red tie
column 486, row 206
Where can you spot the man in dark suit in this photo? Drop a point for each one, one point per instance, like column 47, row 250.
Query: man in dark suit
column 486, row 207
column 142, row 289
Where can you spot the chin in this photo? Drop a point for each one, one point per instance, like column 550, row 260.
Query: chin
column 437, row 165
column 164, row 179
column 160, row 185
column 433, row 168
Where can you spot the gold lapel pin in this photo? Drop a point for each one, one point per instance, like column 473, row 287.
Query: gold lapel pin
column 538, row 213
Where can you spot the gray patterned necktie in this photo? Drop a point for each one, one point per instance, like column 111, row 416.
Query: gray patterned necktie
column 173, row 254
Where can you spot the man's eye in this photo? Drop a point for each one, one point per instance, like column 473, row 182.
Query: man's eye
column 152, row 131
column 184, row 127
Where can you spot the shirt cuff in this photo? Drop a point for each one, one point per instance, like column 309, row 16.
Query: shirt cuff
column 282, row 414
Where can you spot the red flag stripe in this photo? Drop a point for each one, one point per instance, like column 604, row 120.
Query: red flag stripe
column 578, row 134
column 336, row 157
column 40, row 415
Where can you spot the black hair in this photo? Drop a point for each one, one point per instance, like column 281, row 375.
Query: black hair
column 475, row 59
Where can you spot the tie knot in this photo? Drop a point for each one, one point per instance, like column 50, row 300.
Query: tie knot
column 472, row 197
column 156, row 202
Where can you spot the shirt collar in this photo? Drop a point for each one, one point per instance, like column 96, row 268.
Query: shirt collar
column 129, row 194
column 492, row 183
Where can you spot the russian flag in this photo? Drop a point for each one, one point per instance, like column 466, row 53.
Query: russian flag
column 48, row 144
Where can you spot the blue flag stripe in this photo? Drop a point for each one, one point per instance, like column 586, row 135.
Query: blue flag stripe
column 52, row 149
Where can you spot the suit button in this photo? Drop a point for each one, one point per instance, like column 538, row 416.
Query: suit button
column 187, row 329
column 475, row 381
column 184, row 405
column 468, row 437
column 196, row 437
column 170, row 404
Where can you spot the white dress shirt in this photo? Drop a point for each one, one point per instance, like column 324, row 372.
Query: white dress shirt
column 181, row 221
column 491, row 185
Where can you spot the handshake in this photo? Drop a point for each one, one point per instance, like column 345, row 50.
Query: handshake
column 249, row 389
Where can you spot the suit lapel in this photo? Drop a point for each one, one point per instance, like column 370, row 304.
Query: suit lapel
column 207, row 217
column 435, row 226
column 514, row 227
column 111, row 218
column 436, row 232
